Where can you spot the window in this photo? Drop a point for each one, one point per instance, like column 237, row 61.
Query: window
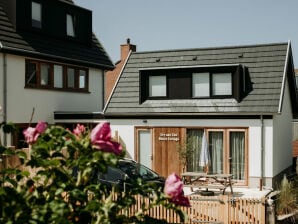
column 36, row 14
column 44, row 74
column 58, row 76
column 157, row 86
column 31, row 73
column 200, row 85
column 82, row 79
column 55, row 76
column 221, row 144
column 70, row 25
column 230, row 81
column 221, row 84
column 70, row 78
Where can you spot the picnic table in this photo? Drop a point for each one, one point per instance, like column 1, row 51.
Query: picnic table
column 208, row 181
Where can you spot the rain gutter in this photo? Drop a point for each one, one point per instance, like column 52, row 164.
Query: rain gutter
column 262, row 153
column 87, row 63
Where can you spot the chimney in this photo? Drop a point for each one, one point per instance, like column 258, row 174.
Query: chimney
column 111, row 77
column 125, row 48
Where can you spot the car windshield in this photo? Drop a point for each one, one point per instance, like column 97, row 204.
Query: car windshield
column 136, row 170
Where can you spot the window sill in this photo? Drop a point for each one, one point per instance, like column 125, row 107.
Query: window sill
column 58, row 90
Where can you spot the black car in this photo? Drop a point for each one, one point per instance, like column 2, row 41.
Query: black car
column 126, row 173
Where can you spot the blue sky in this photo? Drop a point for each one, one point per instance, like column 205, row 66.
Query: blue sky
column 178, row 24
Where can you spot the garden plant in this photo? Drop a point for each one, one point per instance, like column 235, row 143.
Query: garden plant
column 53, row 194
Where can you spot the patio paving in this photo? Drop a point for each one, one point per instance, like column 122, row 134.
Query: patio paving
column 253, row 193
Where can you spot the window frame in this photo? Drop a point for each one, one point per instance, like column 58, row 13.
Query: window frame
column 211, row 93
column 226, row 148
column 51, row 77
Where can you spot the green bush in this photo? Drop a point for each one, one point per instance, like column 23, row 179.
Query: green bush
column 54, row 195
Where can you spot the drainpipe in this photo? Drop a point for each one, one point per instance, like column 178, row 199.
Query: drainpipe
column 4, row 106
column 262, row 153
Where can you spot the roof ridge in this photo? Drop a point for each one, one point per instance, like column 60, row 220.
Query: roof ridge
column 213, row 48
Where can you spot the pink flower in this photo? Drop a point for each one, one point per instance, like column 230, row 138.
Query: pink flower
column 101, row 139
column 79, row 130
column 41, row 127
column 31, row 134
column 174, row 189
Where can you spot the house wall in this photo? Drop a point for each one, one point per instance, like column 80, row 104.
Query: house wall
column 125, row 129
column 21, row 101
column 282, row 136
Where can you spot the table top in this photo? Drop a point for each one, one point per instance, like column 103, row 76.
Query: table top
column 201, row 174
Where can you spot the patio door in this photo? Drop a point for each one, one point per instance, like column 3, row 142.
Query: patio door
column 227, row 149
column 237, row 153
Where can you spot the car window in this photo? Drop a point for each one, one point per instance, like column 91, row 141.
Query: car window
column 112, row 174
column 136, row 170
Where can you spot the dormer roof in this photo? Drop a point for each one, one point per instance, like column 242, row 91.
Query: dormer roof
column 33, row 44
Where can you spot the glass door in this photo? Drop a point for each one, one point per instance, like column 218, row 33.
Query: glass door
column 237, row 154
column 216, row 150
column 145, row 147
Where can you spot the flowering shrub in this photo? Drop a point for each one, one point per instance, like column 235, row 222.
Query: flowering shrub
column 53, row 194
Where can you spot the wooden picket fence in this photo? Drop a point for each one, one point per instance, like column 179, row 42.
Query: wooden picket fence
column 213, row 209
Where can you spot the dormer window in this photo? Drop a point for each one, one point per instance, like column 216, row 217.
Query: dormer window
column 70, row 25
column 157, row 86
column 36, row 14
column 214, row 82
column 207, row 84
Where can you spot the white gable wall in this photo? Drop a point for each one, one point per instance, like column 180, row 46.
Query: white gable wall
column 21, row 101
column 282, row 135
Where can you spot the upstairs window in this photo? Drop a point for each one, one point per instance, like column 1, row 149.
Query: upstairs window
column 36, row 14
column 45, row 75
column 82, row 79
column 58, row 76
column 207, row 84
column 222, row 84
column 70, row 25
column 70, row 78
column 200, row 85
column 158, row 86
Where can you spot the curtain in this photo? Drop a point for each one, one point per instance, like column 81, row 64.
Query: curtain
column 194, row 144
column 216, row 152
column 237, row 154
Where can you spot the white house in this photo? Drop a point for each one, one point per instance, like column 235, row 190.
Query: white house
column 242, row 97
column 49, row 61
